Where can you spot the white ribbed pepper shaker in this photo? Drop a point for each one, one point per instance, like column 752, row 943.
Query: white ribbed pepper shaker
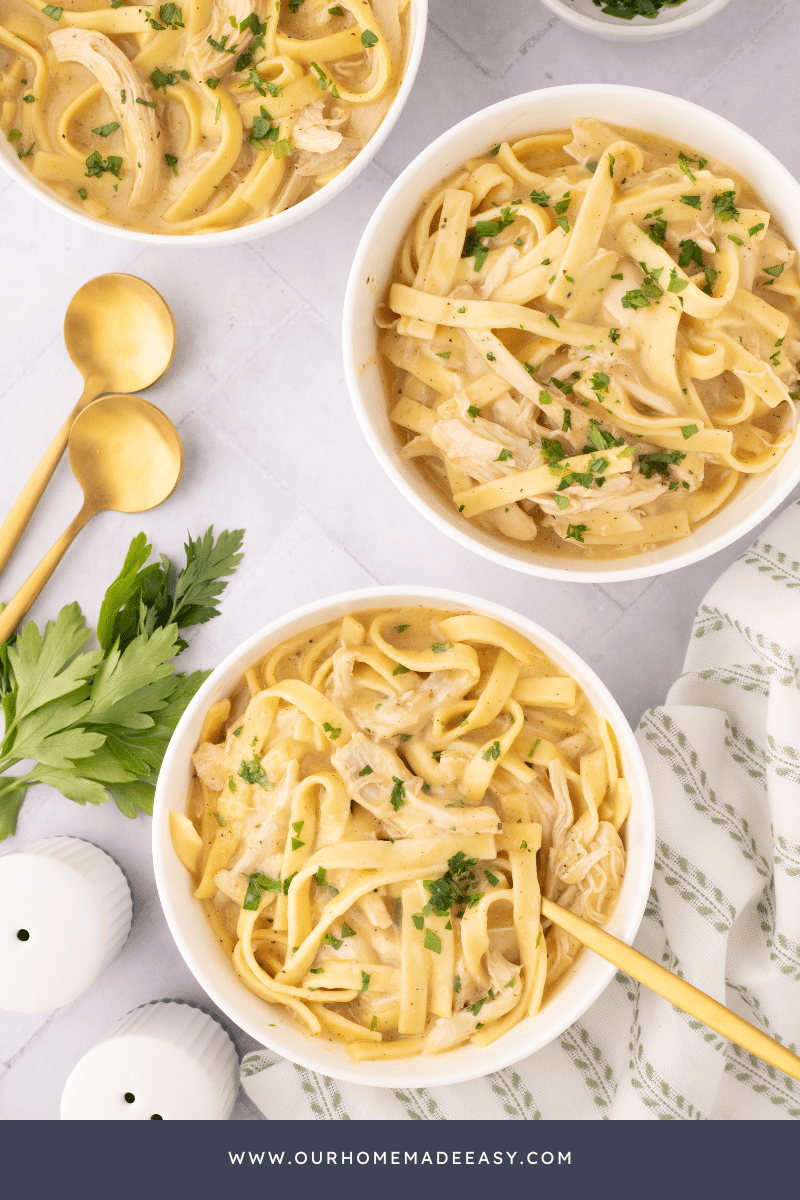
column 65, row 913
column 166, row 1061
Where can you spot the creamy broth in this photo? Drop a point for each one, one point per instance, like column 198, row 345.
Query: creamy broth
column 592, row 340
column 196, row 116
column 377, row 811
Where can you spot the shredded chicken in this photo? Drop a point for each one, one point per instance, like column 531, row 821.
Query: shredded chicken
column 118, row 77
column 506, row 988
column 312, row 130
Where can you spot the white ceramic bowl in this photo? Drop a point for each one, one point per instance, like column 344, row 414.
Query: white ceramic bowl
column 267, row 1023
column 584, row 15
column 246, row 233
column 374, row 268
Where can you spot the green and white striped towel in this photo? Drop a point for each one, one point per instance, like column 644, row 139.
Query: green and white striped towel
column 724, row 760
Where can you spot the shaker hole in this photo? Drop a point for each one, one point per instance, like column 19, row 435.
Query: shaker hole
column 129, row 1097
column 23, row 935
column 156, row 1117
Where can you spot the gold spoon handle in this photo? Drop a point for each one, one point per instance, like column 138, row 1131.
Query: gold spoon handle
column 17, row 520
column 680, row 993
column 13, row 613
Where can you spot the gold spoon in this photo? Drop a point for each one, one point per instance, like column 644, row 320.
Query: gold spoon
column 127, row 457
column 680, row 993
column 121, row 336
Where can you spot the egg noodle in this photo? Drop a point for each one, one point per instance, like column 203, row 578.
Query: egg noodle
column 592, row 339
column 198, row 115
column 375, row 814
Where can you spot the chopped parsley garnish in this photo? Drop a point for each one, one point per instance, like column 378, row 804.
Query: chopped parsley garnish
column 398, row 796
column 14, row 135
column 493, row 880
column 106, row 130
column 171, row 15
column 236, row 732
column 441, row 648
column 495, row 150
column 650, row 464
column 553, row 321
column 688, row 431
column 336, row 11
column 418, row 920
column 323, row 81
column 635, row 299
column 613, row 335
column 692, row 201
column 82, row 193
column 331, row 731
column 212, row 83
column 456, row 888
column 473, row 412
column 477, row 1006
column 252, row 772
column 685, row 163
column 658, row 232
column 599, row 382
column 172, row 162
column 364, row 982
column 754, row 229
column 775, row 271
column 220, row 820
column 330, row 940
column 552, row 451
column 402, row 628
column 534, row 748
column 51, row 11
column 443, row 353
column 456, row 983
column 567, row 422
column 724, row 206
column 221, row 46
column 676, row 284
column 541, row 198
column 347, row 931
column 259, row 882
column 433, row 941
column 503, row 456
column 96, row 165
column 493, row 752
column 690, row 252
column 369, row 39
column 146, row 103
column 400, row 670
column 282, row 148
column 576, row 532
column 29, row 99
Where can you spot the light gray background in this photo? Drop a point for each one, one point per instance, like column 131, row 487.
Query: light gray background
column 257, row 393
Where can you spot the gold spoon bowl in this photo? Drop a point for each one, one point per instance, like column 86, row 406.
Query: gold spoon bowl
column 127, row 457
column 120, row 334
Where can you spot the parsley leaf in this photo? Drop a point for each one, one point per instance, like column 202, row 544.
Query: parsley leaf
column 398, row 796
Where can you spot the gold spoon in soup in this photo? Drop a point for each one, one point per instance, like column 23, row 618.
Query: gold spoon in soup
column 121, row 336
column 127, row 456
column 680, row 993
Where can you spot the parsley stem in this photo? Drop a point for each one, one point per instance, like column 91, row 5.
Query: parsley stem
column 16, row 780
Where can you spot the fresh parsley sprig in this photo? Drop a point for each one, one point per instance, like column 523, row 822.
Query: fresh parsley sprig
column 96, row 723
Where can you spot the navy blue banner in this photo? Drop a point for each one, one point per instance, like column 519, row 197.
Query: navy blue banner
column 133, row 1161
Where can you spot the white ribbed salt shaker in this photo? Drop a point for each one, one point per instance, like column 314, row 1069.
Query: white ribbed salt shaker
column 65, row 913
column 167, row 1061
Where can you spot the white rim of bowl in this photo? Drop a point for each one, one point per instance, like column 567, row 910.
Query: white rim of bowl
column 641, row 33
column 267, row 225
column 587, row 679
column 389, row 460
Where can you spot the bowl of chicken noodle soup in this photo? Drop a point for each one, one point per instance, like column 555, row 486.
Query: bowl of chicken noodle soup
column 218, row 119
column 357, row 816
column 572, row 332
